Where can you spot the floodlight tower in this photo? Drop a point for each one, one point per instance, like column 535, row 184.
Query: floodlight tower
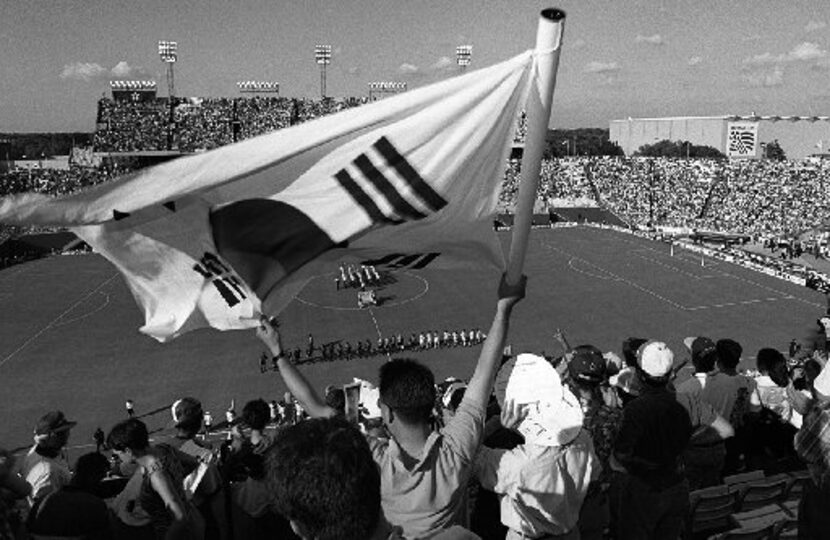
column 463, row 56
column 322, row 54
column 168, row 52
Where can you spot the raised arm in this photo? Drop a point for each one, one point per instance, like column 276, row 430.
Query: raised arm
column 296, row 383
column 481, row 383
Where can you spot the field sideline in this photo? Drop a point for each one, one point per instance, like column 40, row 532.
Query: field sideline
column 70, row 339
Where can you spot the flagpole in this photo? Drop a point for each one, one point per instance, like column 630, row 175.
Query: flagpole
column 548, row 46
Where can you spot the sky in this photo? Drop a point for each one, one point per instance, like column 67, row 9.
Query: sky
column 620, row 58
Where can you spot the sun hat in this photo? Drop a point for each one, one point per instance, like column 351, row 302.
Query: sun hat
column 554, row 415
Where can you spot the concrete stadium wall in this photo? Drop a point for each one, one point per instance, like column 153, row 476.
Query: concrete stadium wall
column 631, row 134
column 798, row 139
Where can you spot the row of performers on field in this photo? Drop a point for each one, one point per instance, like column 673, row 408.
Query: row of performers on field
column 344, row 350
column 357, row 277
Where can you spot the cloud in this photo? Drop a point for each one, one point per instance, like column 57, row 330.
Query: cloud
column 656, row 39
column 123, row 70
column 88, row 71
column 765, row 79
column 694, row 60
column 601, row 67
column 443, row 63
column 353, row 70
column 807, row 51
column 408, row 69
column 82, row 71
column 812, row 26
column 803, row 52
column 578, row 44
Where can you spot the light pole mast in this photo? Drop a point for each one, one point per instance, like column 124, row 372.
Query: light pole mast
column 168, row 53
column 322, row 55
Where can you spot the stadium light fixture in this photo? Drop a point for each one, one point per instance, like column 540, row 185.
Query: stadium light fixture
column 463, row 56
column 381, row 89
column 169, row 54
column 322, row 55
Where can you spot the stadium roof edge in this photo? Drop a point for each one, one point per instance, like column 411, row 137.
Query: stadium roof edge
column 720, row 117
column 143, row 153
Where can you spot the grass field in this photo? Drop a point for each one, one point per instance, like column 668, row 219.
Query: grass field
column 70, row 340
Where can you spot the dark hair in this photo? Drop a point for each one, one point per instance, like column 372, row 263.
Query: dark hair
column 704, row 363
column 408, row 388
column 131, row 433
column 323, row 477
column 772, row 362
column 90, row 469
column 336, row 399
column 729, row 352
column 630, row 346
column 256, row 414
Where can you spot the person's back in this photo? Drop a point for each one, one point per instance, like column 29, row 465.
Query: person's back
column 74, row 510
column 424, row 473
column 722, row 391
column 425, row 491
column 655, row 430
column 653, row 494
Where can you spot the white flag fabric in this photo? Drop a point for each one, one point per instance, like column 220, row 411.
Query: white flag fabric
column 214, row 239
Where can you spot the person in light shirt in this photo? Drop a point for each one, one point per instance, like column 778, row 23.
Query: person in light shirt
column 543, row 482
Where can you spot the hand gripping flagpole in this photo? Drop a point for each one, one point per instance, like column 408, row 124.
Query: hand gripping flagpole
column 548, row 46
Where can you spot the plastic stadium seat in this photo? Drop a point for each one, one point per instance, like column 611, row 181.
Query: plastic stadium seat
column 786, row 530
column 796, row 485
column 710, row 511
column 756, row 495
column 761, row 517
column 743, row 478
column 748, row 533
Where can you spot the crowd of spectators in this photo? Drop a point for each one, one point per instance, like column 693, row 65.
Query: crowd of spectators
column 764, row 199
column 611, row 448
column 125, row 126
column 200, row 124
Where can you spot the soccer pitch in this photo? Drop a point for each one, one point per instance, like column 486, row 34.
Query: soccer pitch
column 70, row 338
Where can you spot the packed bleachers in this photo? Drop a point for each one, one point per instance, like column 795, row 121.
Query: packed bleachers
column 224, row 474
column 202, row 123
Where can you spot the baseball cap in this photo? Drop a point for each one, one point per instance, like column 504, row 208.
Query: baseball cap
column 699, row 346
column 655, row 359
column 587, row 364
column 187, row 410
column 53, row 422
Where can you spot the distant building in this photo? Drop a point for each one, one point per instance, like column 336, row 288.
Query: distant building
column 739, row 137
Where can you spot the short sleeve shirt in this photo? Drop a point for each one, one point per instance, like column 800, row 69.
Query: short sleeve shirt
column 44, row 474
column 430, row 495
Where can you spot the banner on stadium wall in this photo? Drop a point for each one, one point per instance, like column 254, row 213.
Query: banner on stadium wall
column 742, row 139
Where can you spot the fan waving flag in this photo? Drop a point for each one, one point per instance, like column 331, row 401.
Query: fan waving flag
column 214, row 239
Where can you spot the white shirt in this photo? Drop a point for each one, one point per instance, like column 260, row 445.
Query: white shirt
column 541, row 488
column 44, row 474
